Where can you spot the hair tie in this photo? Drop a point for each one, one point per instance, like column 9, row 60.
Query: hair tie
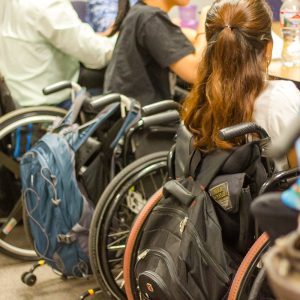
column 227, row 26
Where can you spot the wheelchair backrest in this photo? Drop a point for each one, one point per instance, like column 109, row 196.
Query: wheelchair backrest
column 6, row 102
column 237, row 182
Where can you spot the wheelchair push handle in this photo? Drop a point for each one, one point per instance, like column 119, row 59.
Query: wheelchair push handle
column 59, row 86
column 280, row 146
column 101, row 101
column 160, row 118
column 232, row 132
column 159, row 107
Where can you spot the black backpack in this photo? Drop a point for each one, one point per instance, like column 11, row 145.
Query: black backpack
column 194, row 238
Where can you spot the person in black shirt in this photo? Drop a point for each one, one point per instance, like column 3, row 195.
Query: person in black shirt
column 149, row 46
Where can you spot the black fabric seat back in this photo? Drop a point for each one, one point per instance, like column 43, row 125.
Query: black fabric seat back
column 6, row 102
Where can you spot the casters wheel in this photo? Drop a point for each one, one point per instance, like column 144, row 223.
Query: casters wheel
column 28, row 278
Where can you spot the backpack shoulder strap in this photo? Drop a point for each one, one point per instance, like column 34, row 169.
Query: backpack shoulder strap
column 86, row 130
column 206, row 167
column 183, row 152
column 133, row 115
column 73, row 112
column 192, row 162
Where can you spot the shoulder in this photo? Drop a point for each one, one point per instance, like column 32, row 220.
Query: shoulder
column 280, row 92
column 282, row 87
column 276, row 106
column 282, row 83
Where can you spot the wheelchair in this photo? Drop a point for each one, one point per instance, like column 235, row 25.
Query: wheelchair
column 243, row 284
column 21, row 128
column 277, row 214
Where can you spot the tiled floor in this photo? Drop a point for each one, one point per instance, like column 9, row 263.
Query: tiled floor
column 49, row 286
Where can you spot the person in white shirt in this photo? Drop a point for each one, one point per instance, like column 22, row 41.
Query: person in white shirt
column 232, row 85
column 274, row 109
column 43, row 42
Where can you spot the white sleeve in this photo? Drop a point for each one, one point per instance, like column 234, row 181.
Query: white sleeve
column 275, row 109
column 60, row 25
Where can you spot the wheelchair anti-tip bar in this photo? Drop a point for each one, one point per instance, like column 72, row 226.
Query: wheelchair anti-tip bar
column 238, row 130
column 285, row 142
column 159, row 107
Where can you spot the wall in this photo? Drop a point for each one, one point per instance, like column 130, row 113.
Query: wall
column 275, row 5
column 199, row 3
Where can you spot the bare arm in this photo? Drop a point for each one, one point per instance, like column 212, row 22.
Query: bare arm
column 186, row 67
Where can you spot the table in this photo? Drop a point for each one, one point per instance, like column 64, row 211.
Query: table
column 277, row 70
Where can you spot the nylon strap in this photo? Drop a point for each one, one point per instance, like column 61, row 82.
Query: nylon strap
column 205, row 167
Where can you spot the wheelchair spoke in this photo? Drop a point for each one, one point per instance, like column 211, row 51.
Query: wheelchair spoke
column 10, row 164
column 116, row 260
column 112, row 246
column 119, row 233
column 118, row 206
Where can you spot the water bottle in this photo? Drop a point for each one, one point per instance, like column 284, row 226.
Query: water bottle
column 290, row 24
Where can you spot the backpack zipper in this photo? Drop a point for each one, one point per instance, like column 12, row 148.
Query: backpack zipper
column 186, row 223
column 170, row 264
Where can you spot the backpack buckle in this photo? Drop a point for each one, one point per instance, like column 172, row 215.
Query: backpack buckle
column 66, row 238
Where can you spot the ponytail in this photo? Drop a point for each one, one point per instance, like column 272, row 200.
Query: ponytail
column 231, row 73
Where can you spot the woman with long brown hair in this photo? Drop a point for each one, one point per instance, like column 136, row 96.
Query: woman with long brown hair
column 232, row 85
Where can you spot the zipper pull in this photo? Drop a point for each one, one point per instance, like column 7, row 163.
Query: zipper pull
column 183, row 224
column 143, row 254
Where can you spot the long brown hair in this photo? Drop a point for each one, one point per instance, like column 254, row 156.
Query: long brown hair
column 230, row 75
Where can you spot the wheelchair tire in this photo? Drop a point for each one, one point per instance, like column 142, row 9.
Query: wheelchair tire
column 130, row 255
column 248, row 270
column 41, row 116
column 121, row 201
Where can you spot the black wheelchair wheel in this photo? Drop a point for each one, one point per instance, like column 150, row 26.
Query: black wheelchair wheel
column 249, row 280
column 116, row 210
column 18, row 131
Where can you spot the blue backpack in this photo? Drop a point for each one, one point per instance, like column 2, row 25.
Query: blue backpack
column 59, row 213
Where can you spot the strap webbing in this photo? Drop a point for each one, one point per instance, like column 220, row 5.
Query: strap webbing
column 133, row 115
column 74, row 111
column 88, row 129
column 205, row 167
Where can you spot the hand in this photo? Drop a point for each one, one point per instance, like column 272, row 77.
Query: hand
column 190, row 34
